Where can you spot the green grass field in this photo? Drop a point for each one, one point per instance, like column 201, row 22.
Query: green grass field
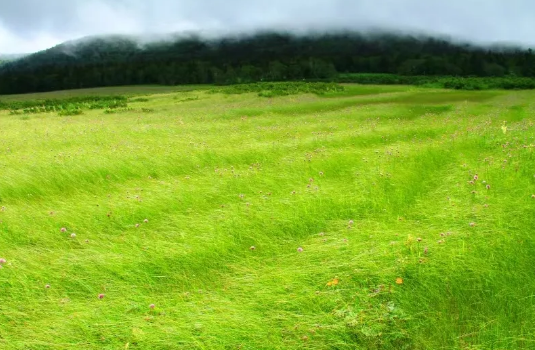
column 373, row 218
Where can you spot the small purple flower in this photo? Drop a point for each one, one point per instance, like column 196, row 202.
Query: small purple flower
column 2, row 261
column 299, row 249
column 472, row 224
column 351, row 222
column 101, row 296
column 63, row 229
column 152, row 306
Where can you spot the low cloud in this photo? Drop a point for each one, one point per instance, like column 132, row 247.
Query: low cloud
column 31, row 25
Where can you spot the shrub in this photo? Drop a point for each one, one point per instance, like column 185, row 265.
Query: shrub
column 69, row 112
column 457, row 83
column 281, row 89
column 60, row 105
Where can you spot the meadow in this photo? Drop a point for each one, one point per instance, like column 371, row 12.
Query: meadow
column 268, row 217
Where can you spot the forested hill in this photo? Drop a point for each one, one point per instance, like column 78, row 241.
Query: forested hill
column 4, row 58
column 124, row 60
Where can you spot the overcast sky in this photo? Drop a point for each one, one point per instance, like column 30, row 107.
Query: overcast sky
column 32, row 25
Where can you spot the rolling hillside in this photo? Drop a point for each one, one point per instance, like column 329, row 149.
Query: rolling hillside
column 127, row 60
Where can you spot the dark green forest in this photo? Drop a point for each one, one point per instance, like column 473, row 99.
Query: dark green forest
column 123, row 60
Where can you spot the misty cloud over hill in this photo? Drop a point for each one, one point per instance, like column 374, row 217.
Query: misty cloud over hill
column 265, row 56
column 31, row 25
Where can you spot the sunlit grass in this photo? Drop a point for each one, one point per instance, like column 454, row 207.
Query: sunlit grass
column 377, row 192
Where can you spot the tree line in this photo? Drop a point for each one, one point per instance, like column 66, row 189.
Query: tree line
column 269, row 56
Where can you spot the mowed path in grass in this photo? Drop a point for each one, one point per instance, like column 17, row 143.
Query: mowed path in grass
column 375, row 218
